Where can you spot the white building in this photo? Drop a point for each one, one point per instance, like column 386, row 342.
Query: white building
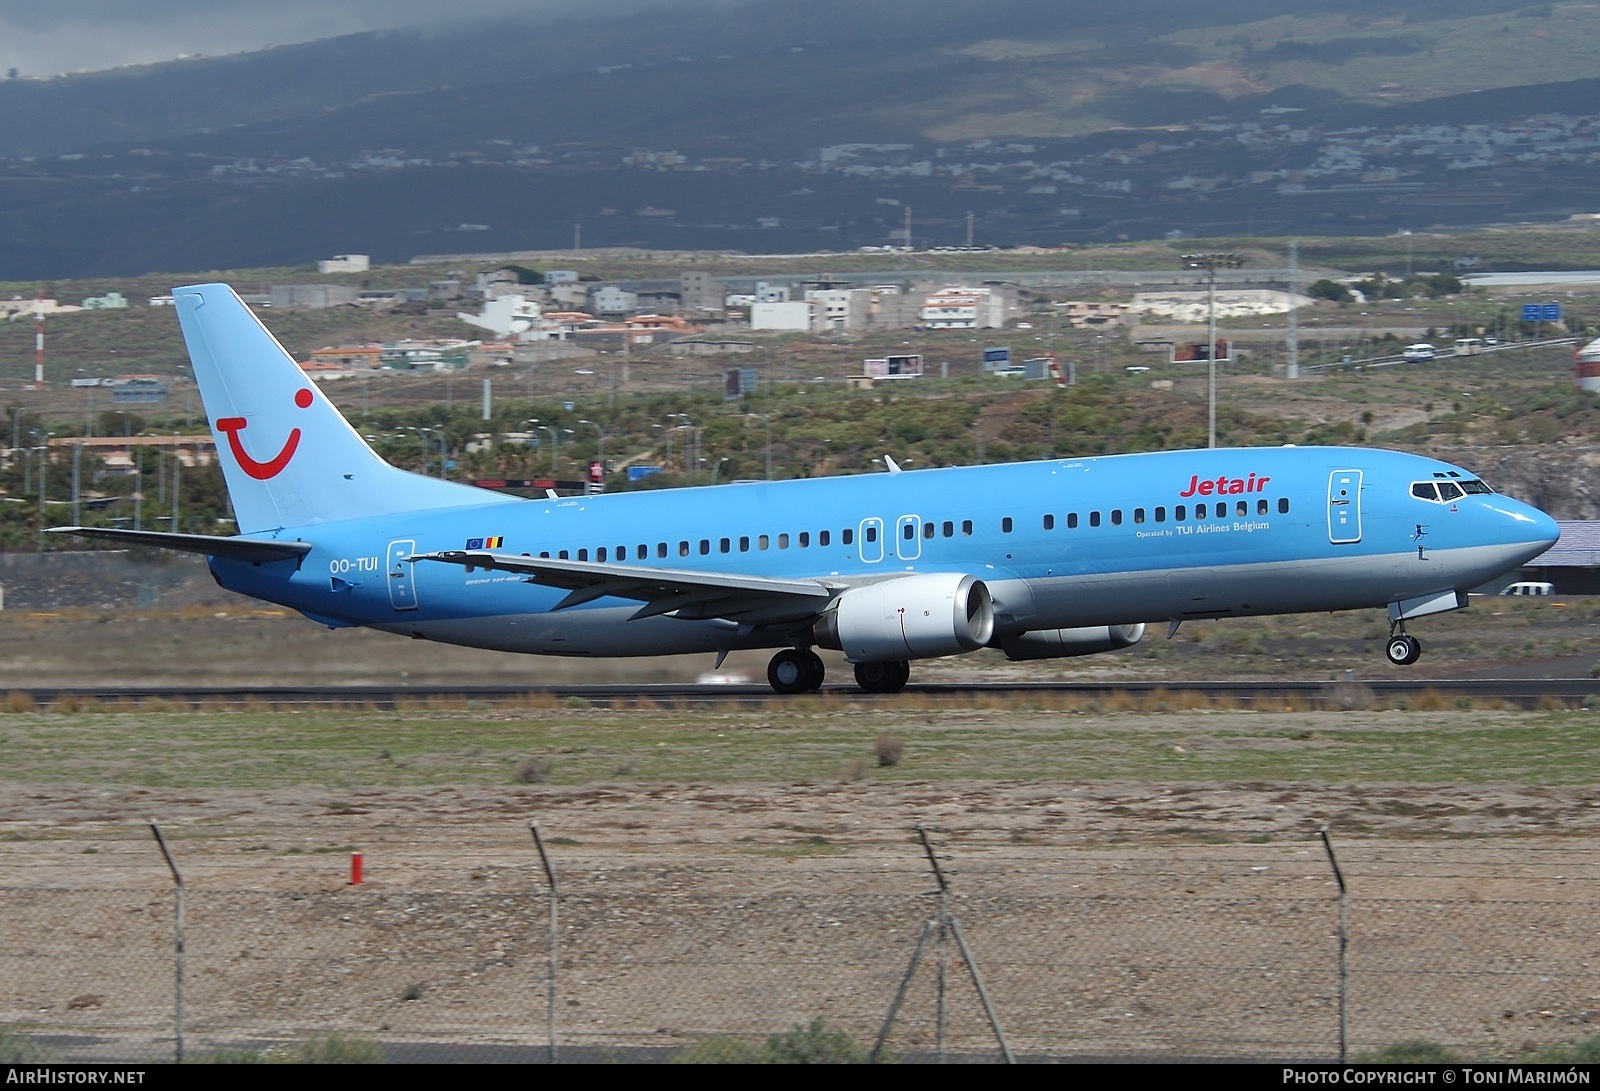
column 840, row 308
column 507, row 315
column 963, row 309
column 613, row 300
column 345, row 263
column 789, row 315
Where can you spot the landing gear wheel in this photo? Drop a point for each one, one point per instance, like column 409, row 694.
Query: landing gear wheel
column 885, row 677
column 1403, row 650
column 790, row 671
column 817, row 671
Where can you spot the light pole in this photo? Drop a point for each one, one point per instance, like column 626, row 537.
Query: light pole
column 691, row 449
column 1211, row 263
column 424, row 432
column 768, row 422
column 715, row 470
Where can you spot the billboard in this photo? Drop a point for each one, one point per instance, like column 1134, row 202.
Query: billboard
column 997, row 359
column 895, row 367
column 737, row 381
column 1193, row 353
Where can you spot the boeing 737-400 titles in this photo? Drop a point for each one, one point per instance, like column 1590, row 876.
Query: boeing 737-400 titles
column 1041, row 560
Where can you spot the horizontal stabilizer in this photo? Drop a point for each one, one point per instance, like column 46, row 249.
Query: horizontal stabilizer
column 234, row 549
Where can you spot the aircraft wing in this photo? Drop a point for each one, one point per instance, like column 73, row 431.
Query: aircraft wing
column 234, row 549
column 755, row 600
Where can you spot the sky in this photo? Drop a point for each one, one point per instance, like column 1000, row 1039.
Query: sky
column 48, row 38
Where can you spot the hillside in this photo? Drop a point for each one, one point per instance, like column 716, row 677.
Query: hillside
column 762, row 127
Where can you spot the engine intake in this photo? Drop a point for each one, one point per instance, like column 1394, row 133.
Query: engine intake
column 1065, row 643
column 912, row 617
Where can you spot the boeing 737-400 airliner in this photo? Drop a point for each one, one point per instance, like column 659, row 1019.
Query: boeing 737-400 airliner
column 1042, row 560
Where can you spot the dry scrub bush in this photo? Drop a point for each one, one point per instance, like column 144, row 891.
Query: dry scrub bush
column 1550, row 703
column 1350, row 697
column 65, row 702
column 533, row 770
column 1430, row 700
column 889, row 749
column 18, row 701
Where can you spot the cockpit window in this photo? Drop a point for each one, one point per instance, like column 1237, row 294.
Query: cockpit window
column 1424, row 490
column 1476, row 487
column 1449, row 490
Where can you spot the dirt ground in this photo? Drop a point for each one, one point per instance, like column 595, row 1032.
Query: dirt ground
column 1108, row 918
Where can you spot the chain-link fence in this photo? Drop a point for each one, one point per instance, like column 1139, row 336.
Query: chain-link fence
column 660, row 963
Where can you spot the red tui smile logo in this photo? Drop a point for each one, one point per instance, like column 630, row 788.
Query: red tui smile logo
column 262, row 471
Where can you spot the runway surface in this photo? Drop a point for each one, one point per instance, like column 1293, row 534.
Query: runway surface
column 1524, row 692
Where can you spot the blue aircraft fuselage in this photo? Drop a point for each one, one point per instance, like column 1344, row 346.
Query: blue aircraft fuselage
column 1060, row 544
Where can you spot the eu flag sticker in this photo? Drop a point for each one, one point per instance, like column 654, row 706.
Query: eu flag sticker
column 474, row 543
column 485, row 543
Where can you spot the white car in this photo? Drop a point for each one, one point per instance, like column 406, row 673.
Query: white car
column 1529, row 587
column 1416, row 354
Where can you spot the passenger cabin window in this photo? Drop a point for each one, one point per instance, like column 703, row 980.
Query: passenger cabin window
column 909, row 532
column 683, row 549
column 966, row 528
column 705, row 546
column 600, row 554
column 545, row 554
column 927, row 530
column 1094, row 518
column 783, row 541
column 1138, row 515
column 1180, row 513
column 563, row 555
column 761, row 542
column 949, row 529
column 1161, row 514
column 1201, row 511
column 661, row 549
column 1242, row 508
column 1261, row 507
column 583, row 554
column 1005, row 525
column 1116, row 517
column 846, row 536
column 724, row 545
column 1072, row 520
column 823, row 538
column 1049, row 522
column 1222, row 509
column 744, row 544
column 644, row 552
column 871, row 533
column 1283, row 505
column 805, row 539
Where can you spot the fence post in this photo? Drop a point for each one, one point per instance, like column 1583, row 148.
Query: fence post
column 177, row 880
column 550, row 874
column 1344, row 943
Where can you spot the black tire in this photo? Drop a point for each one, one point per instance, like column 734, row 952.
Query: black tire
column 889, row 676
column 1402, row 650
column 790, row 672
column 818, row 671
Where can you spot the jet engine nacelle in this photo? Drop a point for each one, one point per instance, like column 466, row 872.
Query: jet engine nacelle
column 912, row 617
column 1064, row 643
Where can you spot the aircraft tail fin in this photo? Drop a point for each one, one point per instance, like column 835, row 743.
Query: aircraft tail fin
column 289, row 457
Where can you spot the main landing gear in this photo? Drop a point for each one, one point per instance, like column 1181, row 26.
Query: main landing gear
column 796, row 670
column 884, row 677
column 1401, row 649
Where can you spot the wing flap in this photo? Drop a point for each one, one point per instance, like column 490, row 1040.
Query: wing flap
column 662, row 590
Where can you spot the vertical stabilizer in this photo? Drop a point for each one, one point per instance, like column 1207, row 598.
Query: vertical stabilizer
column 289, row 457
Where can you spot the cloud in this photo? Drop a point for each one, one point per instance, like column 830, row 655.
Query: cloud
column 87, row 35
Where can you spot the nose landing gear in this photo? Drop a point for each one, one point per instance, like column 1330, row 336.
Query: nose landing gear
column 1401, row 649
column 796, row 670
